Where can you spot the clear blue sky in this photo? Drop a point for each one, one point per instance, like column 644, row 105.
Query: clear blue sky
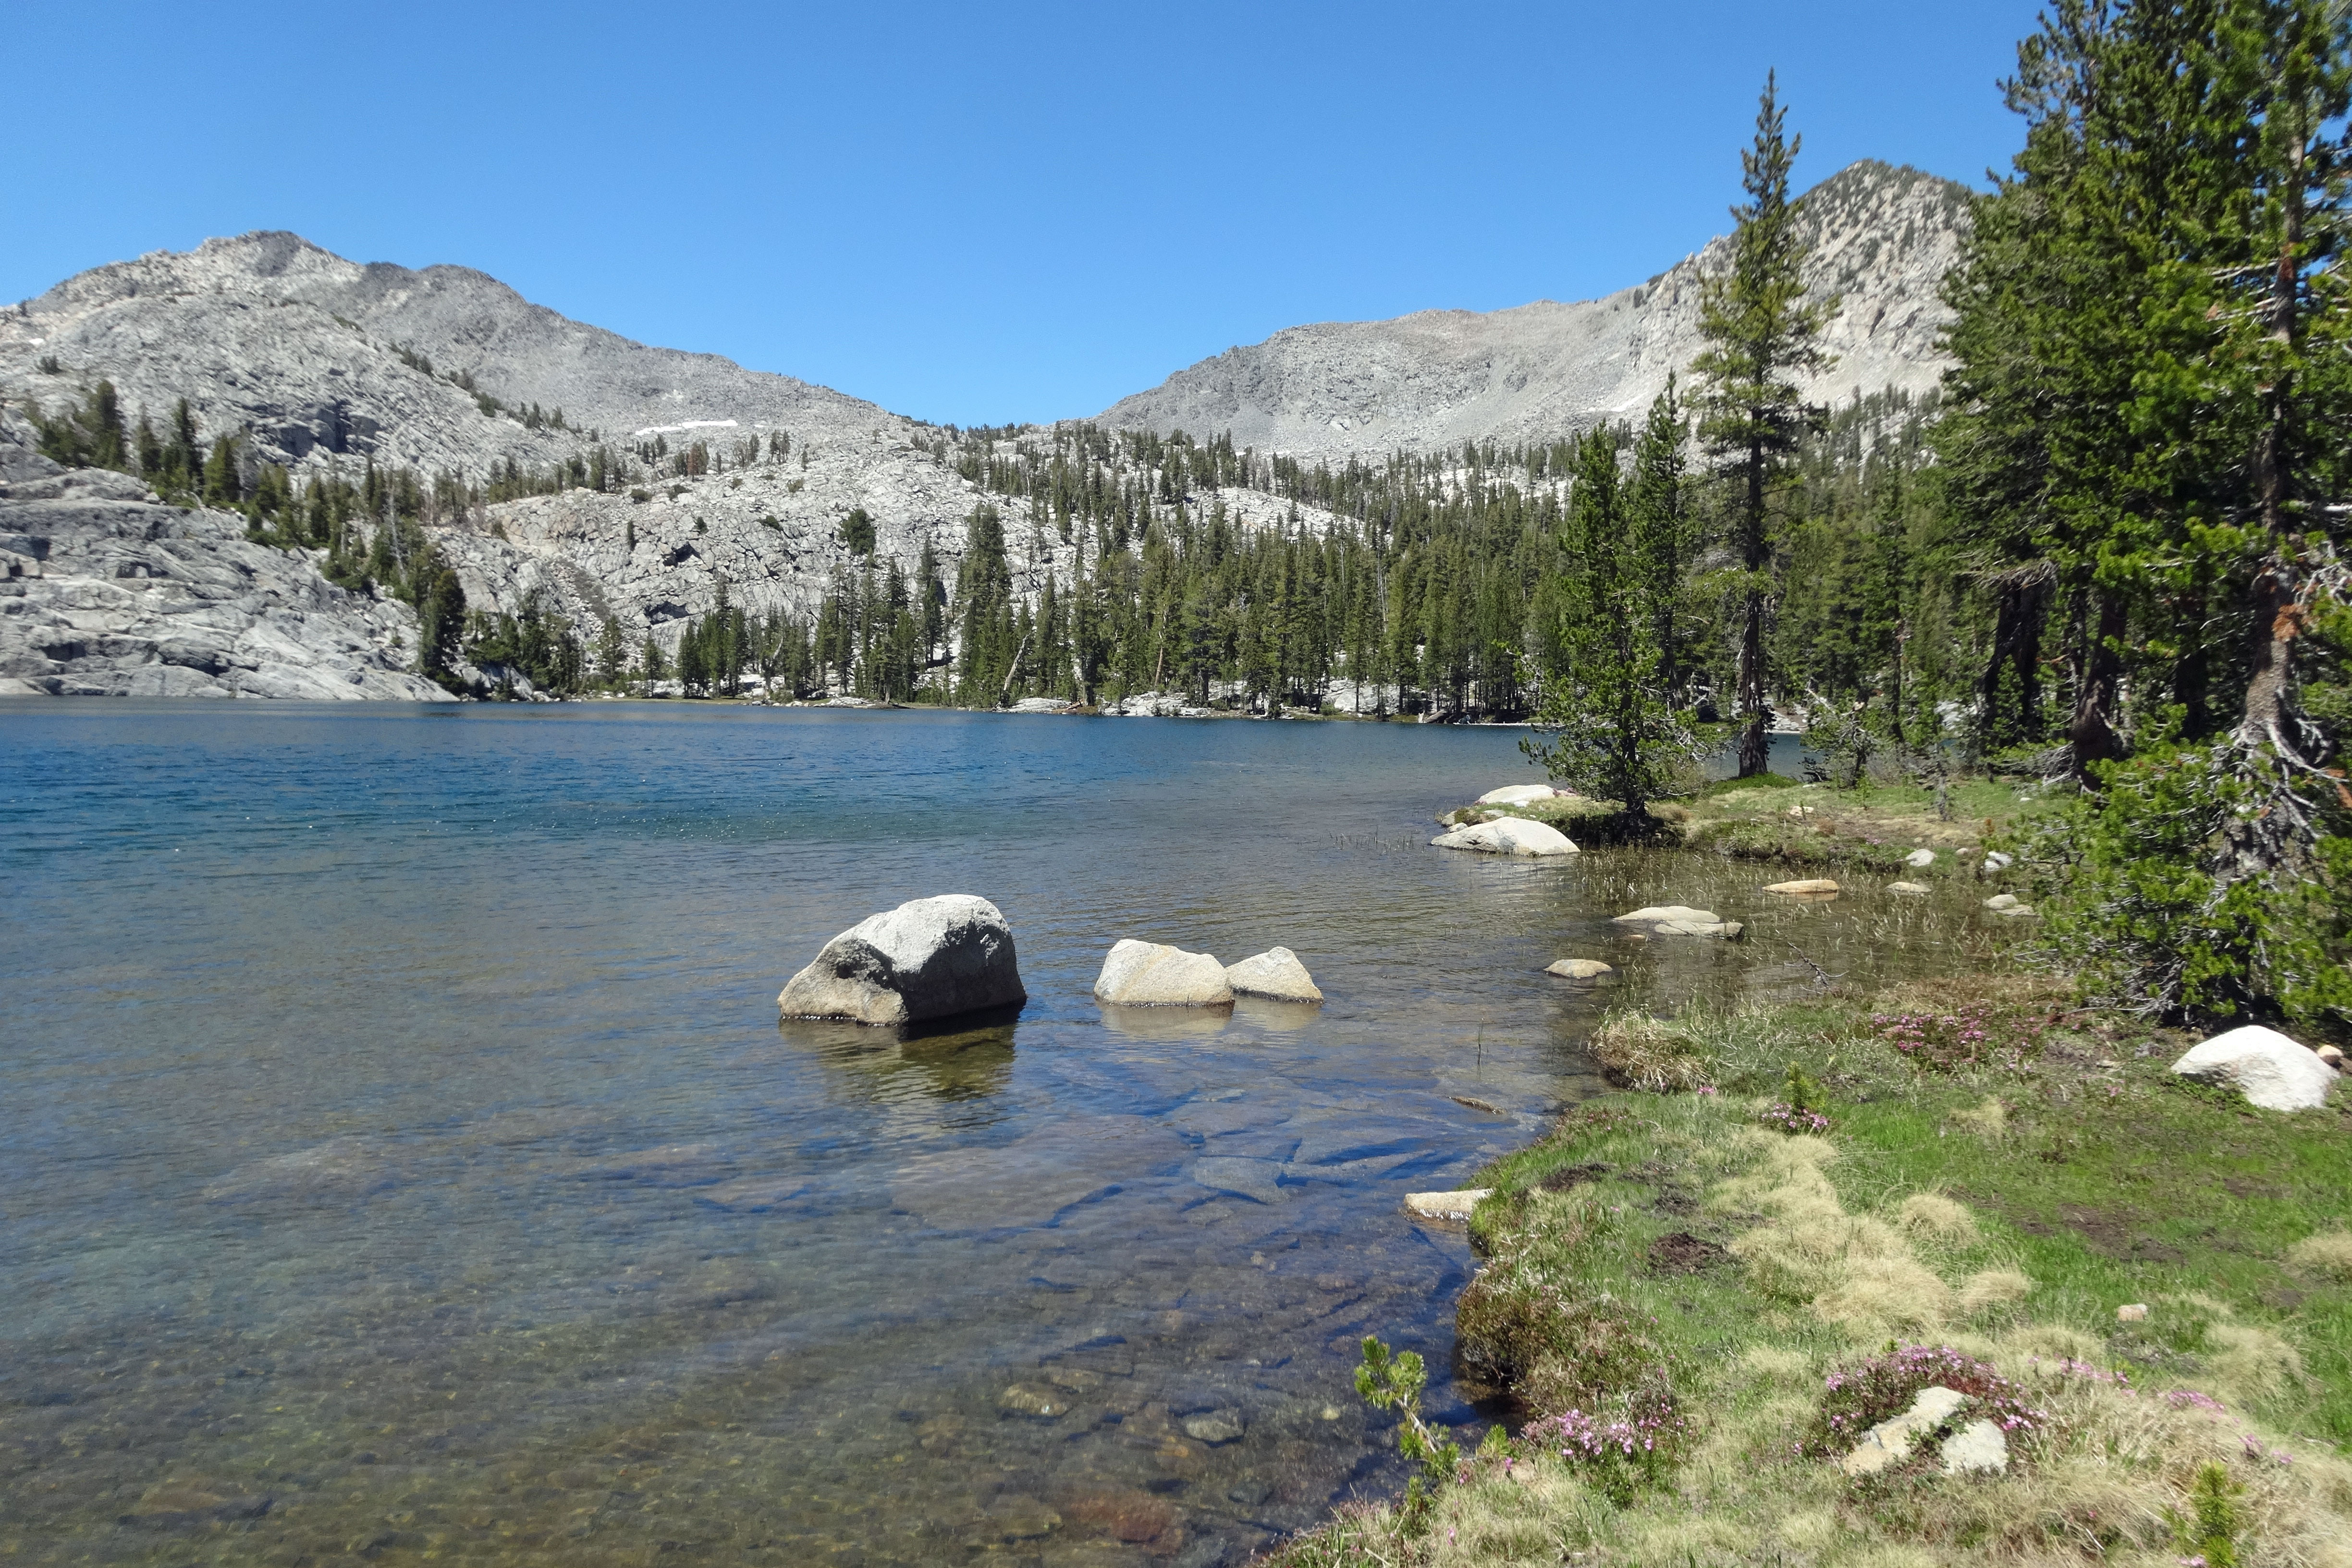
column 970, row 213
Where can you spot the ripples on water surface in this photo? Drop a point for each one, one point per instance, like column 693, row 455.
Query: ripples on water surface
column 401, row 1155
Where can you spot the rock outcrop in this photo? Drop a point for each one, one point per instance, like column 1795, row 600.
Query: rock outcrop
column 929, row 958
column 106, row 592
column 1275, row 974
column 1152, row 974
column 1508, row 835
column 2269, row 1068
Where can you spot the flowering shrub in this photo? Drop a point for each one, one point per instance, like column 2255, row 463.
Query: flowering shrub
column 1969, row 1036
column 1858, row 1397
column 2189, row 1399
column 1621, row 1452
column 1783, row 1117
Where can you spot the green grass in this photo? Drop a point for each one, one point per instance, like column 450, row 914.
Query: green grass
column 2003, row 1184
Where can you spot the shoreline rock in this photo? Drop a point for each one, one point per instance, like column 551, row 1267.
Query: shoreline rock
column 929, row 958
column 1578, row 968
column 1508, row 835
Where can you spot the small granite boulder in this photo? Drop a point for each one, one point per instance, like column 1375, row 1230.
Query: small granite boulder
column 1152, row 974
column 1920, row 860
column 1809, row 887
column 2266, row 1067
column 1579, row 969
column 929, row 958
column 1976, row 1447
column 1508, row 835
column 1275, row 974
column 1909, row 890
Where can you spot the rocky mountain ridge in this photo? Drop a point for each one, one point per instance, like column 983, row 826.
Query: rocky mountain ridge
column 318, row 364
column 1882, row 237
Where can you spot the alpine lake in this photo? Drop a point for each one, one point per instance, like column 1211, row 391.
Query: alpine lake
column 404, row 1160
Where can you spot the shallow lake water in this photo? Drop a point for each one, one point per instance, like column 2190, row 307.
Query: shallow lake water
column 400, row 1156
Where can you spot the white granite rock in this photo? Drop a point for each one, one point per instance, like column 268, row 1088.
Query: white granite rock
column 1909, row 890
column 1152, row 974
column 1892, row 1440
column 1810, row 887
column 1578, row 968
column 1517, row 794
column 1920, row 860
column 1681, row 920
column 2270, row 1069
column 1455, row 1205
column 1980, row 1447
column 929, row 958
column 1275, row 974
column 1508, row 835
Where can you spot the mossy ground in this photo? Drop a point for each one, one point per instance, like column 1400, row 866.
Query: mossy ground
column 2000, row 1174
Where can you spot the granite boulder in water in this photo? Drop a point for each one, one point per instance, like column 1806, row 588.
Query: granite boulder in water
column 1275, row 974
column 929, row 958
column 1152, row 974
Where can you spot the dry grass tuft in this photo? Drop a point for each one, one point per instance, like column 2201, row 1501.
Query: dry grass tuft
column 2327, row 1255
column 1990, row 1119
column 1636, row 1051
column 1934, row 1215
column 1991, row 1287
column 1855, row 1270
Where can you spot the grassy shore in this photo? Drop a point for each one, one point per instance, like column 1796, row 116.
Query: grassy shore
column 1994, row 1173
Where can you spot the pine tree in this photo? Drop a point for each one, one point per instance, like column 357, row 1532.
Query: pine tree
column 1614, row 732
column 1762, row 334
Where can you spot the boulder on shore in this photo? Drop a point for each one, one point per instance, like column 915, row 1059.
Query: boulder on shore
column 1517, row 794
column 2269, row 1068
column 1508, row 835
column 1681, row 920
column 1152, row 974
column 1275, row 974
column 1578, row 968
column 929, row 958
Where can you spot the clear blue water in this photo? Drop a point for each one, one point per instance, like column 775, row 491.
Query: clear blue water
column 400, row 1156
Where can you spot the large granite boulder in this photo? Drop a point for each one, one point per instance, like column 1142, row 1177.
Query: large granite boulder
column 1152, row 974
column 929, row 958
column 2270, row 1069
column 1508, row 835
column 1275, row 974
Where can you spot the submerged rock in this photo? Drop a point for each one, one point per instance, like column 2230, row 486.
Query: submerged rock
column 1681, row 920
column 1508, row 835
column 929, row 958
column 1153, row 974
column 1275, row 974
column 1578, row 968
column 2266, row 1067
column 1020, row 1399
column 1258, row 1180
